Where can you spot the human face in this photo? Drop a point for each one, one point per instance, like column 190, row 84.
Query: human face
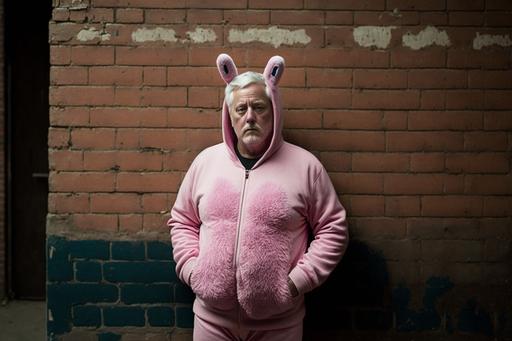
column 252, row 120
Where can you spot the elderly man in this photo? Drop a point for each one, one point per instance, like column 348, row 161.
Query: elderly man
column 243, row 214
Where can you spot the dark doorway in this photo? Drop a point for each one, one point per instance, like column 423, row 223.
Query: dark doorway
column 27, row 79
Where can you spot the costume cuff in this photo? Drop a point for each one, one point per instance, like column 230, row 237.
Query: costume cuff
column 299, row 279
column 187, row 270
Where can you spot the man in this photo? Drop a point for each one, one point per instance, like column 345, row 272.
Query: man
column 240, row 224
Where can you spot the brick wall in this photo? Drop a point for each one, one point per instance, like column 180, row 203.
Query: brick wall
column 406, row 103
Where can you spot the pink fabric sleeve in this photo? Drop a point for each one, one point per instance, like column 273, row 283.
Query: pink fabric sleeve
column 327, row 219
column 184, row 228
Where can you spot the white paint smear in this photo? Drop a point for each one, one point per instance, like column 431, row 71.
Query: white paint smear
column 427, row 37
column 154, row 34
column 202, row 35
column 368, row 36
column 91, row 34
column 484, row 40
column 273, row 35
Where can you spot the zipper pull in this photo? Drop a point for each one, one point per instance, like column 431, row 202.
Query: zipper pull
column 246, row 174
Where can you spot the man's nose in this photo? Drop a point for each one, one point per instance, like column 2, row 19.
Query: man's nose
column 251, row 117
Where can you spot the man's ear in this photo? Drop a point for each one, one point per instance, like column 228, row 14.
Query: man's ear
column 226, row 67
column 274, row 70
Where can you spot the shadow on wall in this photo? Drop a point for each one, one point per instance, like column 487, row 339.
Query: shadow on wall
column 356, row 296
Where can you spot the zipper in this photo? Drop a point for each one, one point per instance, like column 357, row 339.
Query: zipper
column 239, row 224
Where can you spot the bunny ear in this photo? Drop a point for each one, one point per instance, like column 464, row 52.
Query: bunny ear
column 226, row 67
column 274, row 70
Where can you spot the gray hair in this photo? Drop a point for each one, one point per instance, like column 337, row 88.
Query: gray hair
column 242, row 81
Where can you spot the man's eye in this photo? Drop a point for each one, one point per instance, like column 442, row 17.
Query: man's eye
column 240, row 110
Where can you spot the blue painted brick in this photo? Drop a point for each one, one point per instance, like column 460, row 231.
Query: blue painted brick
column 80, row 293
column 57, row 248
column 124, row 250
column 160, row 316
column 60, row 313
column 184, row 317
column 109, row 337
column 89, row 249
column 59, row 270
column 124, row 316
column 146, row 293
column 183, row 294
column 87, row 271
column 86, row 316
column 159, row 250
column 139, row 272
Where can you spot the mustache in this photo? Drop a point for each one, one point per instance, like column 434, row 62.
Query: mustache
column 251, row 127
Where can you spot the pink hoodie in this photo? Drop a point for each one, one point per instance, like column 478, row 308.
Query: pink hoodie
column 238, row 235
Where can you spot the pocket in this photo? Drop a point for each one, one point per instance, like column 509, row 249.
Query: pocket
column 213, row 277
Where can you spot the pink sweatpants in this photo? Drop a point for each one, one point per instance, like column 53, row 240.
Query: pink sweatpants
column 206, row 331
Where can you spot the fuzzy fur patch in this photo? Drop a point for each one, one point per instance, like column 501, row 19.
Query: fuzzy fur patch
column 265, row 254
column 213, row 277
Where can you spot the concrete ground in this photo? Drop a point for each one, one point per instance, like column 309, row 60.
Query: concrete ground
column 23, row 321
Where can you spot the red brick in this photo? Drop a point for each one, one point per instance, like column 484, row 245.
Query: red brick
column 498, row 100
column 339, row 18
column 63, row 32
column 498, row 19
column 451, row 250
column 466, row 18
column 60, row 14
column 498, row 5
column 172, row 97
column 81, row 182
column 115, row 203
column 69, row 116
column 413, row 183
column 426, row 58
column 352, row 119
column 464, row 99
column 336, row 161
column 68, row 203
column 466, row 5
column 488, row 184
column 100, row 15
column 81, row 95
column 92, row 55
column 346, row 5
column 130, row 223
column 194, row 76
column 339, row 36
column 128, row 96
column 123, row 160
column 178, row 160
column 433, row 99
column 380, row 79
column 129, row 15
column 203, row 16
column 329, row 140
column 115, row 75
column 155, row 202
column 128, row 138
column 464, row 58
column 443, row 228
column 386, row 18
column 172, row 139
column 302, row 119
column 385, row 99
column 497, row 206
column 436, row 79
column 291, row 4
column 366, row 206
column 335, row 57
column 198, row 139
column 100, row 160
column 498, row 120
column 357, row 183
column 217, row 4
column 247, row 17
column 155, row 223
column 402, row 206
column 150, row 56
column 141, row 3
column 193, row 118
column 489, row 79
column 92, row 138
column 485, row 141
column 58, row 137
column 78, row 16
column 427, row 162
column 316, row 98
column 96, row 222
column 478, row 163
column 68, row 75
column 378, row 228
column 425, row 141
column 380, row 162
column 291, row 17
column 327, row 78
column 451, row 206
column 60, row 55
column 394, row 120
column 466, row 274
column 163, row 16
column 203, row 97
column 128, row 117
column 433, row 18
column 419, row 5
column 156, row 76
column 65, row 160
column 147, row 182
column 445, row 120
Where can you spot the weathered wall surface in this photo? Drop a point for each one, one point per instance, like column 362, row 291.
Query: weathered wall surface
column 408, row 104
